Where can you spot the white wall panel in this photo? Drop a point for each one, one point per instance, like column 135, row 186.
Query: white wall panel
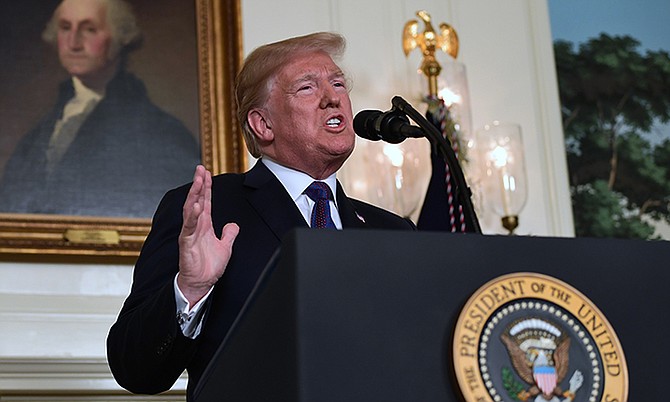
column 507, row 47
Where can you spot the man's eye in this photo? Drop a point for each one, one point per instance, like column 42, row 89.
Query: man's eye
column 89, row 29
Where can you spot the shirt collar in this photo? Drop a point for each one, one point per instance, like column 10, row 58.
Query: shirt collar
column 295, row 181
column 85, row 93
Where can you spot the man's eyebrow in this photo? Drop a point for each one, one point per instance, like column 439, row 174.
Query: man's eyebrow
column 84, row 21
column 337, row 74
column 306, row 77
column 313, row 77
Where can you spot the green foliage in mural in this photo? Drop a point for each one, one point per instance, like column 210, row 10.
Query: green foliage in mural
column 612, row 95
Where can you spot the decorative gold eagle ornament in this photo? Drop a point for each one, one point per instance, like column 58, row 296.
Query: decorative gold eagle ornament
column 429, row 41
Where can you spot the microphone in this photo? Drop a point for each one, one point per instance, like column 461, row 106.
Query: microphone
column 392, row 126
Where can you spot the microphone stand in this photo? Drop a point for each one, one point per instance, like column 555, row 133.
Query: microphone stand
column 463, row 192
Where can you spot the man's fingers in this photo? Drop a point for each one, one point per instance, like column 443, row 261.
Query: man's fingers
column 207, row 192
column 196, row 187
column 196, row 200
column 229, row 233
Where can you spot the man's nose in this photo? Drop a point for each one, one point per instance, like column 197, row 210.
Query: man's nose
column 329, row 98
column 74, row 39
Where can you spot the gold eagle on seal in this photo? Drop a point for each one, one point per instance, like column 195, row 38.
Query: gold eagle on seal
column 539, row 352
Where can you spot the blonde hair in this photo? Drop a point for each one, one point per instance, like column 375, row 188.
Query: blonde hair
column 254, row 81
column 126, row 35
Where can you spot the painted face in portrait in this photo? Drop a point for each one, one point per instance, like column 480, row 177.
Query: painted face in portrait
column 307, row 122
column 85, row 39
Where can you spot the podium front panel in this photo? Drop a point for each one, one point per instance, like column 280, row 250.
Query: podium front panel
column 369, row 315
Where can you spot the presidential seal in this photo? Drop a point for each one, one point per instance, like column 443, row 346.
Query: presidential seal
column 530, row 337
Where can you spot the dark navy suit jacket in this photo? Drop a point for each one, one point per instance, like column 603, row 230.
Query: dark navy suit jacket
column 146, row 349
column 126, row 154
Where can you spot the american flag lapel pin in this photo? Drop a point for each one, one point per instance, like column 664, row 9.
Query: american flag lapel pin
column 360, row 218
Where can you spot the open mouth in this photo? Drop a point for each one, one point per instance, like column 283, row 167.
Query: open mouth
column 334, row 122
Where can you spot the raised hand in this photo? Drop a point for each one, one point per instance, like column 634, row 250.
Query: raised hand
column 202, row 256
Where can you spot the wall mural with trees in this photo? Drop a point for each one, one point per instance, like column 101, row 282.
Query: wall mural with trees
column 612, row 94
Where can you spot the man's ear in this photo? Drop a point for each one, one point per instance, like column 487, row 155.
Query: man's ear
column 260, row 124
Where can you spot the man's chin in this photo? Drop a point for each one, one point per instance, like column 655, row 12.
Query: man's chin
column 78, row 71
column 80, row 67
column 347, row 150
column 342, row 155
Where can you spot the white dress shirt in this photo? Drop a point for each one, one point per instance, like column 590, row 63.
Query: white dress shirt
column 75, row 112
column 296, row 182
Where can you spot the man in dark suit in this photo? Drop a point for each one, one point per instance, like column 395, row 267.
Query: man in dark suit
column 104, row 149
column 211, row 239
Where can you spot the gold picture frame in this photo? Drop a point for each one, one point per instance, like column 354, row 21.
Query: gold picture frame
column 219, row 54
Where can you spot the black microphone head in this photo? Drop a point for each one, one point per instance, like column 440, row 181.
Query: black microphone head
column 364, row 124
column 390, row 126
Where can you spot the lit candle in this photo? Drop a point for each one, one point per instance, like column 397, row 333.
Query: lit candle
column 499, row 158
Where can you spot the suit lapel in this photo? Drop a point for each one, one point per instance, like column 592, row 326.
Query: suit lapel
column 271, row 201
column 348, row 215
column 276, row 208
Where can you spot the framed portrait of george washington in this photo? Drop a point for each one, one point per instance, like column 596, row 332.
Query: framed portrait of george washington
column 106, row 105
